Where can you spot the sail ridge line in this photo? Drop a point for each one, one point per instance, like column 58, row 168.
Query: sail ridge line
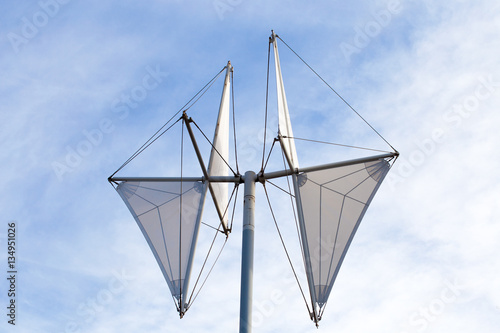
column 320, row 202
column 166, row 250
column 335, row 242
column 355, row 187
column 322, row 186
column 164, row 203
column 154, row 189
column 177, row 195
column 347, row 175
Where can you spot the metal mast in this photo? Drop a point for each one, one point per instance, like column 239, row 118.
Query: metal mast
column 247, row 252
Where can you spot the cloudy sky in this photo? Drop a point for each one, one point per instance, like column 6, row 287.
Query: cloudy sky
column 84, row 83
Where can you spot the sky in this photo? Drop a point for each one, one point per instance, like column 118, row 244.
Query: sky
column 84, row 84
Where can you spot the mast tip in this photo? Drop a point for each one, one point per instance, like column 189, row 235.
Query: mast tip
column 273, row 36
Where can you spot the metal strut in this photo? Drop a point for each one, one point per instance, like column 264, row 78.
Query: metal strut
column 188, row 122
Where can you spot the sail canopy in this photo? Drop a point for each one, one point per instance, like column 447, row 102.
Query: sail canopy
column 168, row 214
column 331, row 203
column 169, row 210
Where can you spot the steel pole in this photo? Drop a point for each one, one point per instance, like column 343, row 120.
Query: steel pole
column 247, row 251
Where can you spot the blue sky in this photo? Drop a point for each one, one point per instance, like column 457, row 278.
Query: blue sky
column 426, row 74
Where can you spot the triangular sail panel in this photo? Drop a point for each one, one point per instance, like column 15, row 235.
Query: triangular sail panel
column 331, row 203
column 169, row 210
column 285, row 127
column 168, row 214
column 220, row 151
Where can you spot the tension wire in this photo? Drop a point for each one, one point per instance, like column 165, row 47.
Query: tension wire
column 284, row 247
column 155, row 136
column 336, row 93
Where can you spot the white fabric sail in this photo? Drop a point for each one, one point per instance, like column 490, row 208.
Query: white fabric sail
column 169, row 215
column 331, row 203
column 220, row 151
column 285, row 127
column 169, row 212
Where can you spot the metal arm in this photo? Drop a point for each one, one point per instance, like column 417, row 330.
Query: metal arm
column 203, row 169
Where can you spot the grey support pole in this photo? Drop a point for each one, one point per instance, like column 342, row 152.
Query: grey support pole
column 247, row 254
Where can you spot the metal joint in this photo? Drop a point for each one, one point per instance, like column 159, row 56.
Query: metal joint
column 260, row 177
column 186, row 117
